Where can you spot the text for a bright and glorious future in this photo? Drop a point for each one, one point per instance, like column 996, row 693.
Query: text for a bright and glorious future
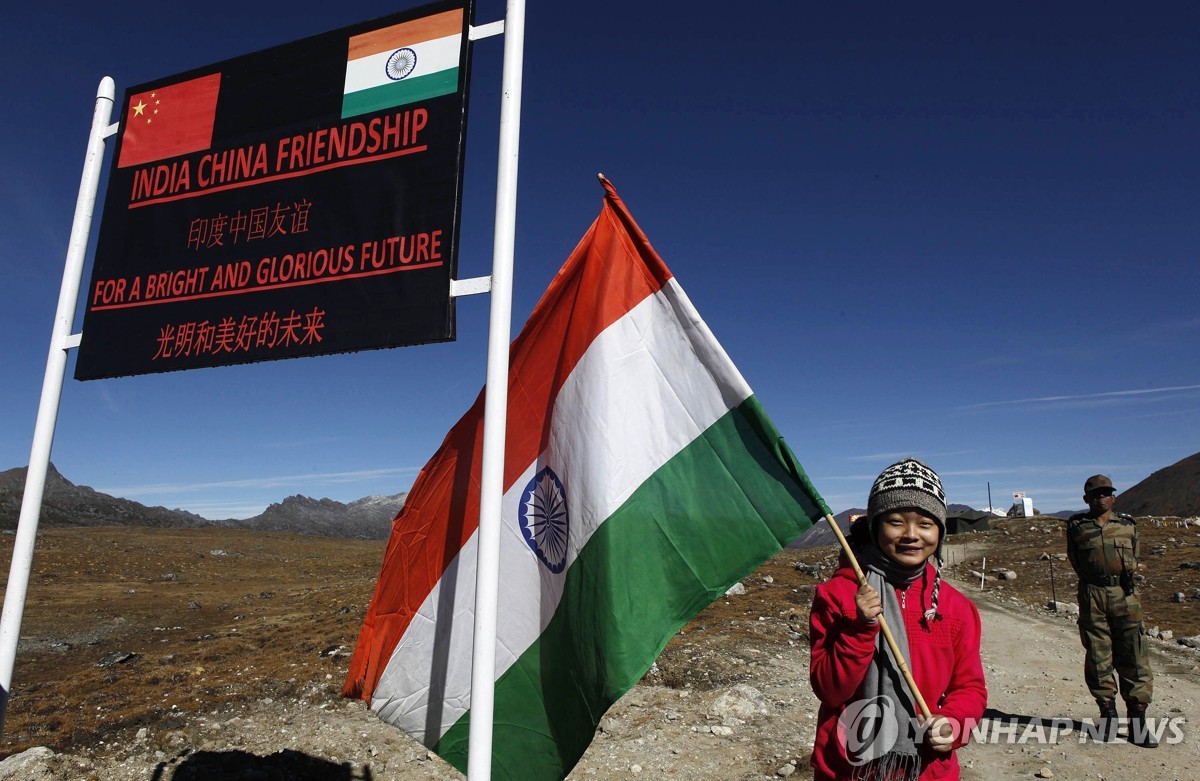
column 262, row 331
column 305, row 267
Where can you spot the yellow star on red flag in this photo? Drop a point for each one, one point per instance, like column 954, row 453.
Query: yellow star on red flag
column 182, row 116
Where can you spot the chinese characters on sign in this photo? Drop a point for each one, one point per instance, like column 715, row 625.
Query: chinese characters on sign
column 303, row 200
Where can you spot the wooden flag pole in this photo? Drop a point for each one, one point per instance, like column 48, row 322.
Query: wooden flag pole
column 883, row 627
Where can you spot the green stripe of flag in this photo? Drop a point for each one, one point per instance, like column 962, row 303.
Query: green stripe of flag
column 398, row 93
column 708, row 517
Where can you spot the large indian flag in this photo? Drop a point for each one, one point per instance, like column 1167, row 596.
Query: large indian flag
column 403, row 63
column 642, row 479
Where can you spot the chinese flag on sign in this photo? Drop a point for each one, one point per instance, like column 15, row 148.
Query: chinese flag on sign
column 170, row 121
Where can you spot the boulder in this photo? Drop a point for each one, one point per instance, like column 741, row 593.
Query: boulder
column 33, row 764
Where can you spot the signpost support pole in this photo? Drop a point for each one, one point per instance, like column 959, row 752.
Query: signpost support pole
column 61, row 340
column 495, row 410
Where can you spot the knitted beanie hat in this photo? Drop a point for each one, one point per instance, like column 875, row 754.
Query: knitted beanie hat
column 908, row 484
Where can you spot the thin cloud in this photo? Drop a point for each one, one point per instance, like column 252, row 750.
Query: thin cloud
column 1160, row 332
column 1171, row 413
column 1053, row 487
column 109, row 399
column 227, row 510
column 300, row 443
column 896, row 456
column 1000, row 361
column 1026, row 469
column 279, row 481
column 880, row 456
column 1085, row 397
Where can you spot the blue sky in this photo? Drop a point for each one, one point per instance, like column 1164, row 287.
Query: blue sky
column 965, row 232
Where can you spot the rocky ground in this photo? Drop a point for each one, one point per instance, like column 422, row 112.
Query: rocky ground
column 221, row 657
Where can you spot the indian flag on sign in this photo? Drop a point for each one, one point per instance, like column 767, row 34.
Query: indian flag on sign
column 403, row 63
column 641, row 480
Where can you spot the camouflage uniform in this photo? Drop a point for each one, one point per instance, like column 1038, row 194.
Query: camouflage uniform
column 1105, row 557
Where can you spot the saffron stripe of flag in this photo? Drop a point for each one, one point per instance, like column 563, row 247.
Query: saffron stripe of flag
column 386, row 39
column 633, row 436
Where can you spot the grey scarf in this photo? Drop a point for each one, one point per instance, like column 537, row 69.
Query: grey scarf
column 885, row 758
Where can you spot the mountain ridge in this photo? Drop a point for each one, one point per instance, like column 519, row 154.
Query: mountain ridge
column 1171, row 491
column 66, row 504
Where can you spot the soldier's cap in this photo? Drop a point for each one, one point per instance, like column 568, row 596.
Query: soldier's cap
column 1097, row 484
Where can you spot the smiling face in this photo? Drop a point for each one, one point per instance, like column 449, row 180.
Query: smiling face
column 908, row 537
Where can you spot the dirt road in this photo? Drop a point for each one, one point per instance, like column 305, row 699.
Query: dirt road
column 1034, row 667
column 1033, row 662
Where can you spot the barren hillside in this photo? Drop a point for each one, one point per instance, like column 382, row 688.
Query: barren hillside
column 179, row 655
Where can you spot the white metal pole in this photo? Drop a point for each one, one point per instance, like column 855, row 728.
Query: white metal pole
column 495, row 406
column 61, row 341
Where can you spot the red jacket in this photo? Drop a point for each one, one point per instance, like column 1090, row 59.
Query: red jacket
column 944, row 662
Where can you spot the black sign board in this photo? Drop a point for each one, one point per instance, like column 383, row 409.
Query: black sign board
column 303, row 200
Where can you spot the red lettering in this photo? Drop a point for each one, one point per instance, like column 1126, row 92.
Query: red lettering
column 420, row 120
column 109, row 291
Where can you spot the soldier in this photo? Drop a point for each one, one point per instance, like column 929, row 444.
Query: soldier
column 1103, row 549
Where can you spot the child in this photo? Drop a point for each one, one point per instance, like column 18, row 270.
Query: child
column 869, row 725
